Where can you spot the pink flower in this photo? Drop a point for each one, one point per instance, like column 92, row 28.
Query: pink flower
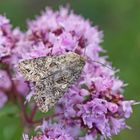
column 93, row 113
column 118, row 124
column 5, row 82
column 6, row 38
column 112, row 107
column 21, row 86
column 3, row 99
column 127, row 108
column 52, row 131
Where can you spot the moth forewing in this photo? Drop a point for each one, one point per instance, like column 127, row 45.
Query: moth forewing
column 52, row 76
column 37, row 68
column 34, row 69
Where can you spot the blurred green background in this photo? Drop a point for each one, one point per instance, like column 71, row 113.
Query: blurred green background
column 120, row 21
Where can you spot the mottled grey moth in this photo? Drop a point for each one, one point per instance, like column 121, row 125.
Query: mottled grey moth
column 52, row 76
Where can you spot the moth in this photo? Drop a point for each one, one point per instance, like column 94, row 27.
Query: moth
column 52, row 76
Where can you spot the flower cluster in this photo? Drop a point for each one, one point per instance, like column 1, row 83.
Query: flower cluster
column 54, row 131
column 94, row 105
column 6, row 37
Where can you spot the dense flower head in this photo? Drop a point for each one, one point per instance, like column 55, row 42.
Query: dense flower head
column 6, row 44
column 8, row 58
column 95, row 103
column 6, row 38
column 55, row 131
column 51, row 132
column 59, row 32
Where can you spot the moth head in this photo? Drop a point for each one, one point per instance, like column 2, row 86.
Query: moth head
column 76, row 58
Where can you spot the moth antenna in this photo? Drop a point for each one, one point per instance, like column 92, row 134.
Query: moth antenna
column 102, row 64
column 97, row 61
column 84, row 54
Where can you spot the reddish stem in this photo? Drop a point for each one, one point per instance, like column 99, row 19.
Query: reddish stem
column 24, row 115
column 33, row 112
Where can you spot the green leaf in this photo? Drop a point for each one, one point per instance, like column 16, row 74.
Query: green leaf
column 9, row 109
column 10, row 128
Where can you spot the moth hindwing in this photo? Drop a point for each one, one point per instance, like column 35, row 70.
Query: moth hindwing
column 52, row 76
